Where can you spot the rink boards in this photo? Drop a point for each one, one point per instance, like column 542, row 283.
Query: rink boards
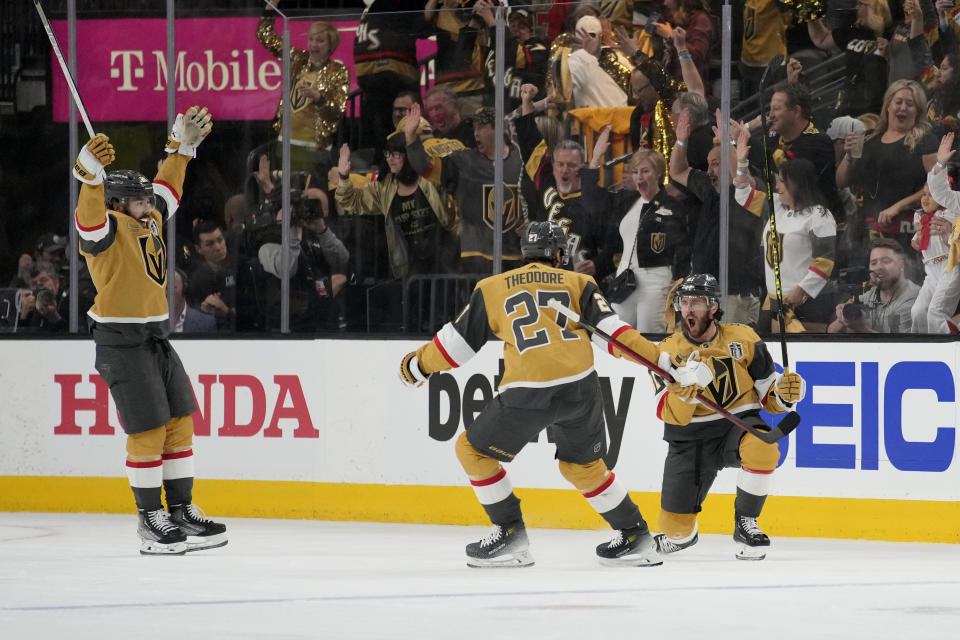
column 323, row 429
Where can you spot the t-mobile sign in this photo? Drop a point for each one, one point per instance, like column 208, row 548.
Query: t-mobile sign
column 123, row 68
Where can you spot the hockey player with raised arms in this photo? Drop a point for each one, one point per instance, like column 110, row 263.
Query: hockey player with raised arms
column 702, row 442
column 121, row 238
column 548, row 379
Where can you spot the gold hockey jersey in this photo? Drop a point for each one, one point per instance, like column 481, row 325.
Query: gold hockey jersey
column 128, row 261
column 541, row 348
column 743, row 381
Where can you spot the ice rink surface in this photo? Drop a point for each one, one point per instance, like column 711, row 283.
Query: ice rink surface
column 80, row 576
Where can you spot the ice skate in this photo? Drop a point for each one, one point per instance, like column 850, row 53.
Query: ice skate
column 201, row 532
column 753, row 542
column 666, row 545
column 504, row 546
column 159, row 536
column 630, row 548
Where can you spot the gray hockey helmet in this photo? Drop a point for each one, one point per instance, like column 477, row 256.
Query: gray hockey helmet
column 543, row 240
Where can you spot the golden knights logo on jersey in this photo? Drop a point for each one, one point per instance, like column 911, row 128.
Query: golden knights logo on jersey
column 724, row 387
column 658, row 242
column 770, row 248
column 511, row 211
column 154, row 253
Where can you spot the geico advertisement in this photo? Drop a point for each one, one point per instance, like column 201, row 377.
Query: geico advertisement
column 879, row 420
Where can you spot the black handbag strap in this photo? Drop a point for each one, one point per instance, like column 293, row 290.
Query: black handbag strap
column 644, row 210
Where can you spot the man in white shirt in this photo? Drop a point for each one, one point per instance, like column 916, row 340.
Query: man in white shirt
column 592, row 86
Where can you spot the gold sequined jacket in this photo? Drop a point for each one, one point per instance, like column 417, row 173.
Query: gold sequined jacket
column 312, row 122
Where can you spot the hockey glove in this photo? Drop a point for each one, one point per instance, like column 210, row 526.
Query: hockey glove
column 188, row 131
column 693, row 373
column 790, row 388
column 410, row 373
column 687, row 393
column 96, row 155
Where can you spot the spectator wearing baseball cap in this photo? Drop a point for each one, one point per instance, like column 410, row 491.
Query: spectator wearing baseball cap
column 593, row 86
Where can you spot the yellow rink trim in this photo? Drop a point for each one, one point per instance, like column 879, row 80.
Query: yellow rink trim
column 894, row 520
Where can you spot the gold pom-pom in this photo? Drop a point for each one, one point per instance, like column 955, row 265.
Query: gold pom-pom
column 806, row 10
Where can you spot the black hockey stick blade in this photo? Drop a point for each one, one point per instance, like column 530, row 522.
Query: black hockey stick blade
column 790, row 422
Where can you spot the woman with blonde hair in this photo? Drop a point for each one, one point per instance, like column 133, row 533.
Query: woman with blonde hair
column 319, row 86
column 895, row 160
column 648, row 229
column 864, row 44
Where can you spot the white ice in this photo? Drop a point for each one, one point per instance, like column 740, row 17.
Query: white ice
column 80, row 576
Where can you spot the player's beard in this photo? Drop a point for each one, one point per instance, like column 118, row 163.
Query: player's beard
column 696, row 326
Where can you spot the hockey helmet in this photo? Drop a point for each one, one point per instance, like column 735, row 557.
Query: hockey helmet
column 543, row 240
column 126, row 184
column 698, row 285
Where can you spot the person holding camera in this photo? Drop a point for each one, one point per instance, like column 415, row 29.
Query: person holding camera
column 317, row 269
column 48, row 308
column 886, row 304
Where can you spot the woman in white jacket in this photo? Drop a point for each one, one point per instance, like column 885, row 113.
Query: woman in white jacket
column 807, row 236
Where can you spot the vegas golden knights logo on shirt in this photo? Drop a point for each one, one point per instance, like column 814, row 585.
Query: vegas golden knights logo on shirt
column 724, row 386
column 770, row 247
column 511, row 212
column 154, row 253
column 657, row 242
column 298, row 100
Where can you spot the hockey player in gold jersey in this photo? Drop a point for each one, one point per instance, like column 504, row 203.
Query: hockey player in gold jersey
column 548, row 379
column 121, row 238
column 700, row 441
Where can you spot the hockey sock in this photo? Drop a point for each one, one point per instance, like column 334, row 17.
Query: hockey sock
column 178, row 477
column 145, row 480
column 613, row 504
column 752, row 489
column 498, row 499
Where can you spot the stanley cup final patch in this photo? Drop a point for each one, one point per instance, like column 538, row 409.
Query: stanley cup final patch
column 736, row 350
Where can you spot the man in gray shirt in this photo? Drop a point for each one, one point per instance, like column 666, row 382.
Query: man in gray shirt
column 885, row 306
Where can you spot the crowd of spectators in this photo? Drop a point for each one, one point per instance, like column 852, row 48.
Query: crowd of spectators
column 612, row 130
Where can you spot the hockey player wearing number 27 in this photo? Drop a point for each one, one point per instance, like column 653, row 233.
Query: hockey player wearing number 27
column 121, row 239
column 548, row 379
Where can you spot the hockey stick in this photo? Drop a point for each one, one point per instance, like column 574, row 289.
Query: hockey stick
column 788, row 424
column 775, row 239
column 63, row 67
